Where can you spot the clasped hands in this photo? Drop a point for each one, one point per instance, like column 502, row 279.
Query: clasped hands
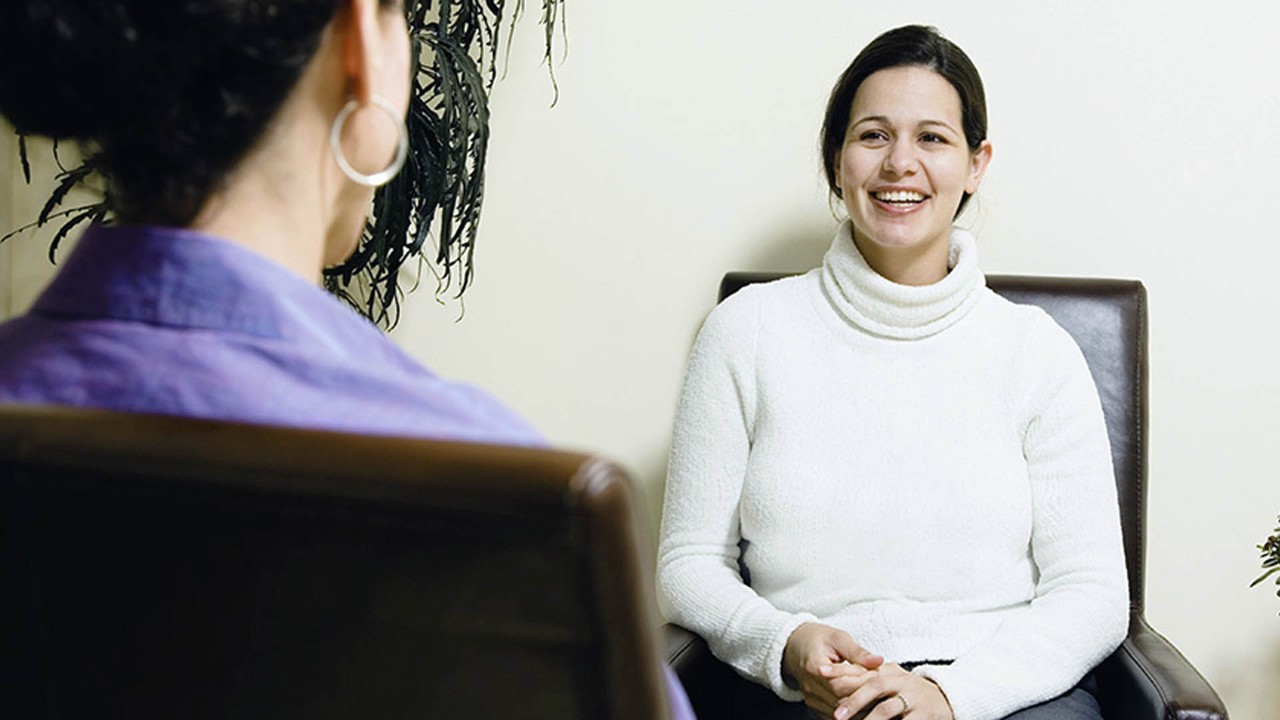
column 842, row 681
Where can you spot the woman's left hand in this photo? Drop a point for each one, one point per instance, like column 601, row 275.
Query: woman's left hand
column 890, row 692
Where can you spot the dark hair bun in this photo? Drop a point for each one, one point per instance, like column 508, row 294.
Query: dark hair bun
column 171, row 93
column 63, row 63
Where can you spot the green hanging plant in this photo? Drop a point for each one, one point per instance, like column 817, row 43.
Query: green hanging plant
column 1270, row 551
column 67, row 180
column 439, row 193
column 443, row 179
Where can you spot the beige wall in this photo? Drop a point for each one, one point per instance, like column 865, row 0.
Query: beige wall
column 6, row 217
column 24, row 258
column 1132, row 139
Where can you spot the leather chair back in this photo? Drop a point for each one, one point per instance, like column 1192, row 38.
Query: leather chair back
column 163, row 567
column 1108, row 319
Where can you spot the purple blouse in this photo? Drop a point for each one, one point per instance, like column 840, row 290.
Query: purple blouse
column 169, row 321
column 161, row 320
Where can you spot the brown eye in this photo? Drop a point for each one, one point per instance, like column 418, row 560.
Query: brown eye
column 873, row 136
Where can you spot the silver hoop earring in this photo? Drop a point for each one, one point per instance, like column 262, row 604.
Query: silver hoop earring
column 335, row 143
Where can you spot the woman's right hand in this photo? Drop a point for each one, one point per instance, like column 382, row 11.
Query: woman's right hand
column 812, row 653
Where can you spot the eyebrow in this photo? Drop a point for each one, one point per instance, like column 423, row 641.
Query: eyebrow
column 885, row 120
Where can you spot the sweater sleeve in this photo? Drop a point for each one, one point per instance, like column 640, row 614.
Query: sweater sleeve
column 1079, row 613
column 698, row 578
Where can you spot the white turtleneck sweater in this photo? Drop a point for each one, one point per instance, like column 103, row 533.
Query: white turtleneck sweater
column 926, row 468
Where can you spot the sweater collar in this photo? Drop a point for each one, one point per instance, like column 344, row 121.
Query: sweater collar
column 882, row 307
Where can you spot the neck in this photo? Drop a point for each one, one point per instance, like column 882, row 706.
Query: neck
column 286, row 198
column 869, row 300
column 256, row 214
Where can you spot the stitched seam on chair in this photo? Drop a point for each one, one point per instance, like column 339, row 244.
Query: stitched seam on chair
column 1140, row 371
column 691, row 647
column 688, row 648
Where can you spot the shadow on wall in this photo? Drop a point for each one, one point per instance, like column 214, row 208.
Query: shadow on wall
column 794, row 244
column 651, row 477
column 1250, row 688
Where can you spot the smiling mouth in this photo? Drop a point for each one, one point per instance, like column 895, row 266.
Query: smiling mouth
column 899, row 198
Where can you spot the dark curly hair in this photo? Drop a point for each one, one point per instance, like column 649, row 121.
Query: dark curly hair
column 167, row 95
column 918, row 45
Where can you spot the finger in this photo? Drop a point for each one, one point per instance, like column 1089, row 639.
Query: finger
column 853, row 652
column 865, row 698
column 841, row 669
column 820, row 709
column 845, row 686
column 821, row 697
column 844, row 679
column 817, row 680
column 891, row 707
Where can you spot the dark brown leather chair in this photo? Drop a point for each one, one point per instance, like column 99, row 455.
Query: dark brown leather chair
column 166, row 568
column 1146, row 678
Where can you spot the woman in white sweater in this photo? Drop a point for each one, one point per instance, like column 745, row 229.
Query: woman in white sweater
column 916, row 470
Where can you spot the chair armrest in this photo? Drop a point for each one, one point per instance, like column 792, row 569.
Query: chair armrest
column 708, row 682
column 1147, row 678
column 684, row 650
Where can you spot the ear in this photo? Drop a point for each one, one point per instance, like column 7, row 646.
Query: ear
column 978, row 161
column 839, row 180
column 356, row 23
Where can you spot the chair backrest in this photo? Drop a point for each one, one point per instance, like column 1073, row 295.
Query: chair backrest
column 1108, row 319
column 164, row 567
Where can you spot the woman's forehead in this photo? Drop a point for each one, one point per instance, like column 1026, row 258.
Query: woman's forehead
column 911, row 94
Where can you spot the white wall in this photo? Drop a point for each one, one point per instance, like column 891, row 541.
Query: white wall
column 1133, row 139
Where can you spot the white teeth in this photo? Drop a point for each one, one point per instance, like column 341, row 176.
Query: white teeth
column 899, row 196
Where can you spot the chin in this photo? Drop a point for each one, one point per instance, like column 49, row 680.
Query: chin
column 894, row 236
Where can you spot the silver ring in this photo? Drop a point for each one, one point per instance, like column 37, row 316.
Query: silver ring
column 335, row 143
column 906, row 707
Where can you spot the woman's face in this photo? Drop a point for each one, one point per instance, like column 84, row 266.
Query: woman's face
column 905, row 164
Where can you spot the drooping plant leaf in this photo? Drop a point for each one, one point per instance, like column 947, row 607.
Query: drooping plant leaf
column 95, row 212
column 455, row 45
column 66, row 181
column 22, row 153
column 1270, row 551
column 439, row 195
column 552, row 17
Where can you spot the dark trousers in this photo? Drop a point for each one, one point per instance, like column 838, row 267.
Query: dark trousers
column 757, row 702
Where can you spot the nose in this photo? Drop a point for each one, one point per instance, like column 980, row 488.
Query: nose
column 900, row 158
